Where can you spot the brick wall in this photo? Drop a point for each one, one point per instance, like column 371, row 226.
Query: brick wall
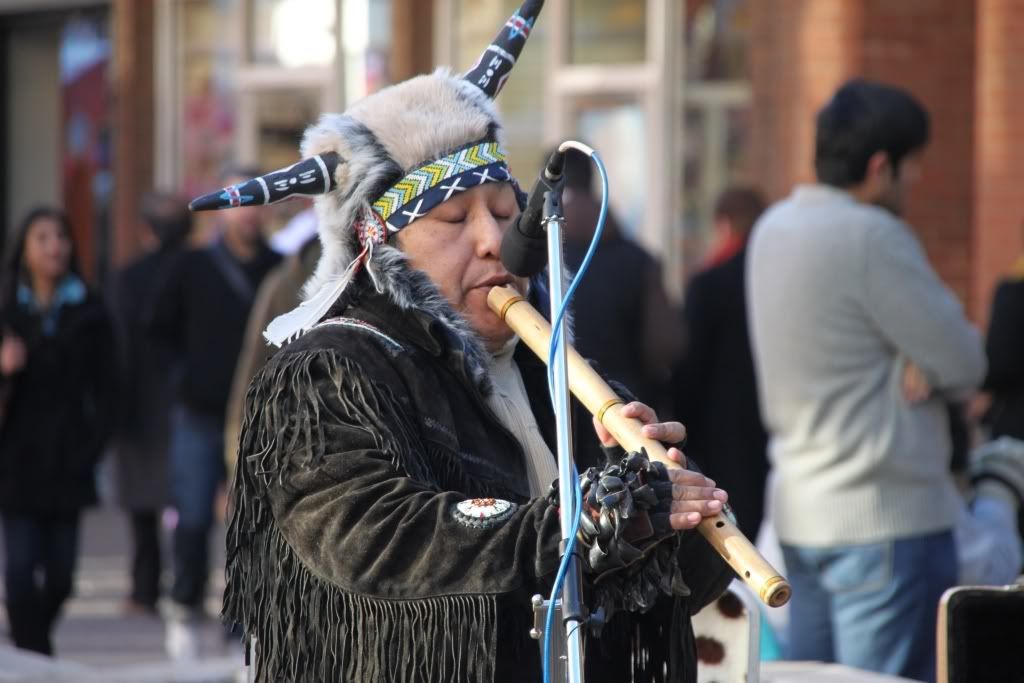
column 928, row 47
column 999, row 147
column 804, row 49
column 801, row 50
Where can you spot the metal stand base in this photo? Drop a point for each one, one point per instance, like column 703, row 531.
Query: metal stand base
column 558, row 666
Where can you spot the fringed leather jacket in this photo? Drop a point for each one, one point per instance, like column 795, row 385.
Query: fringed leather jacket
column 349, row 558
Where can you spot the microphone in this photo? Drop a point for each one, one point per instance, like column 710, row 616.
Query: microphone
column 524, row 249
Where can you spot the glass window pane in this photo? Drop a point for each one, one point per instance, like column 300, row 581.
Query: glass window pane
column 521, row 102
column 716, row 138
column 208, row 105
column 292, row 33
column 608, row 31
column 717, row 40
column 616, row 129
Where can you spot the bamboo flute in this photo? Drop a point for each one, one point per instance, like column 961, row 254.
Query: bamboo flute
column 599, row 398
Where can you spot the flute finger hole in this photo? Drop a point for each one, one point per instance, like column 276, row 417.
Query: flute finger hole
column 719, row 524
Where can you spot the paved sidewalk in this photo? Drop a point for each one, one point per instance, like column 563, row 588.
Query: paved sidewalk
column 96, row 642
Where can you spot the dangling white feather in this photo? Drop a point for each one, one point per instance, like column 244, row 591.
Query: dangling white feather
column 300, row 320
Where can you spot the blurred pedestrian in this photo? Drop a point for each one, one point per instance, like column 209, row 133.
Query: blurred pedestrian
column 858, row 347
column 201, row 308
column 1004, row 346
column 58, row 368
column 279, row 293
column 143, row 434
column 713, row 385
column 622, row 317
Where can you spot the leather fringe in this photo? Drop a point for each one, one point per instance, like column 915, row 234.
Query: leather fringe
column 306, row 628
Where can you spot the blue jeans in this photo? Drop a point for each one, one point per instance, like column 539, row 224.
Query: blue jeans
column 47, row 544
column 870, row 606
column 197, row 469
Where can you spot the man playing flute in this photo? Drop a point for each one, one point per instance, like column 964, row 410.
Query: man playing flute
column 391, row 513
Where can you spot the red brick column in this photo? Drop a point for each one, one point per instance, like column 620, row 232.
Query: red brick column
column 132, row 84
column 928, row 47
column 999, row 147
column 801, row 51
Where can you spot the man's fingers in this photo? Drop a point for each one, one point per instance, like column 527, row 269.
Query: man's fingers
column 685, row 520
column 676, row 456
column 640, row 411
column 667, row 432
column 689, row 478
column 603, row 435
column 681, row 492
column 702, row 507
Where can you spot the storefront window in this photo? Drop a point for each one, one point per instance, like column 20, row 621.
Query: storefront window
column 86, row 162
column 608, row 31
column 292, row 33
column 208, row 96
column 717, row 38
column 366, row 44
column 522, row 100
column 616, row 127
column 716, row 114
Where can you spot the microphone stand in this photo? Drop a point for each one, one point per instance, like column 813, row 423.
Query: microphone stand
column 567, row 660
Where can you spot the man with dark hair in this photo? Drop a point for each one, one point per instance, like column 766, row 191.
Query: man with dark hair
column 858, row 346
column 713, row 385
column 201, row 310
column 862, row 120
column 141, row 452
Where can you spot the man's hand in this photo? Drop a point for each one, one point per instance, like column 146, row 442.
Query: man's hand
column 666, row 432
column 916, row 387
column 694, row 496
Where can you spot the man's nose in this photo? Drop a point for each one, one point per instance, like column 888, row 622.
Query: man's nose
column 488, row 234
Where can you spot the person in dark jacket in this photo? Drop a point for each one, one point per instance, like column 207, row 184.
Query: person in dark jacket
column 1004, row 346
column 391, row 513
column 201, row 309
column 622, row 317
column 143, row 434
column 714, row 387
column 58, row 371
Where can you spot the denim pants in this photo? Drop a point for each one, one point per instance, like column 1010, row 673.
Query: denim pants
column 197, row 469
column 870, row 606
column 40, row 556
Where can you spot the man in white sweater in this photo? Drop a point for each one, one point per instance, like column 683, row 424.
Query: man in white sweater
column 857, row 346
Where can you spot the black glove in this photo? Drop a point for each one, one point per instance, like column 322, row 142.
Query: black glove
column 627, row 545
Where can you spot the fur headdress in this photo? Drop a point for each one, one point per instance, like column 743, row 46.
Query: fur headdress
column 388, row 160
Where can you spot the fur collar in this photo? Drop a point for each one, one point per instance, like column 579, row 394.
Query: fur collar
column 413, row 293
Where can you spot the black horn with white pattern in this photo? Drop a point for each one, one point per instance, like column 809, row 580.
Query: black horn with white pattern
column 311, row 176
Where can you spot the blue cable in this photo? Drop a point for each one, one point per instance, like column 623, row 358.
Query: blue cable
column 563, row 567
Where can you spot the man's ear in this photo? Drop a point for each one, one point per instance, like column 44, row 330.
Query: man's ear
column 878, row 166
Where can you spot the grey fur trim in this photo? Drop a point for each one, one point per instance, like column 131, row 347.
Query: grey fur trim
column 368, row 171
column 412, row 290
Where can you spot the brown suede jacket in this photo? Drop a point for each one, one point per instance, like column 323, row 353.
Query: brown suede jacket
column 348, row 559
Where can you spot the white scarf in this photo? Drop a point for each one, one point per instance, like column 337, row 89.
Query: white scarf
column 511, row 404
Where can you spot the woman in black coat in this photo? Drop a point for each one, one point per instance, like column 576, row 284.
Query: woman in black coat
column 57, row 372
column 1004, row 346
